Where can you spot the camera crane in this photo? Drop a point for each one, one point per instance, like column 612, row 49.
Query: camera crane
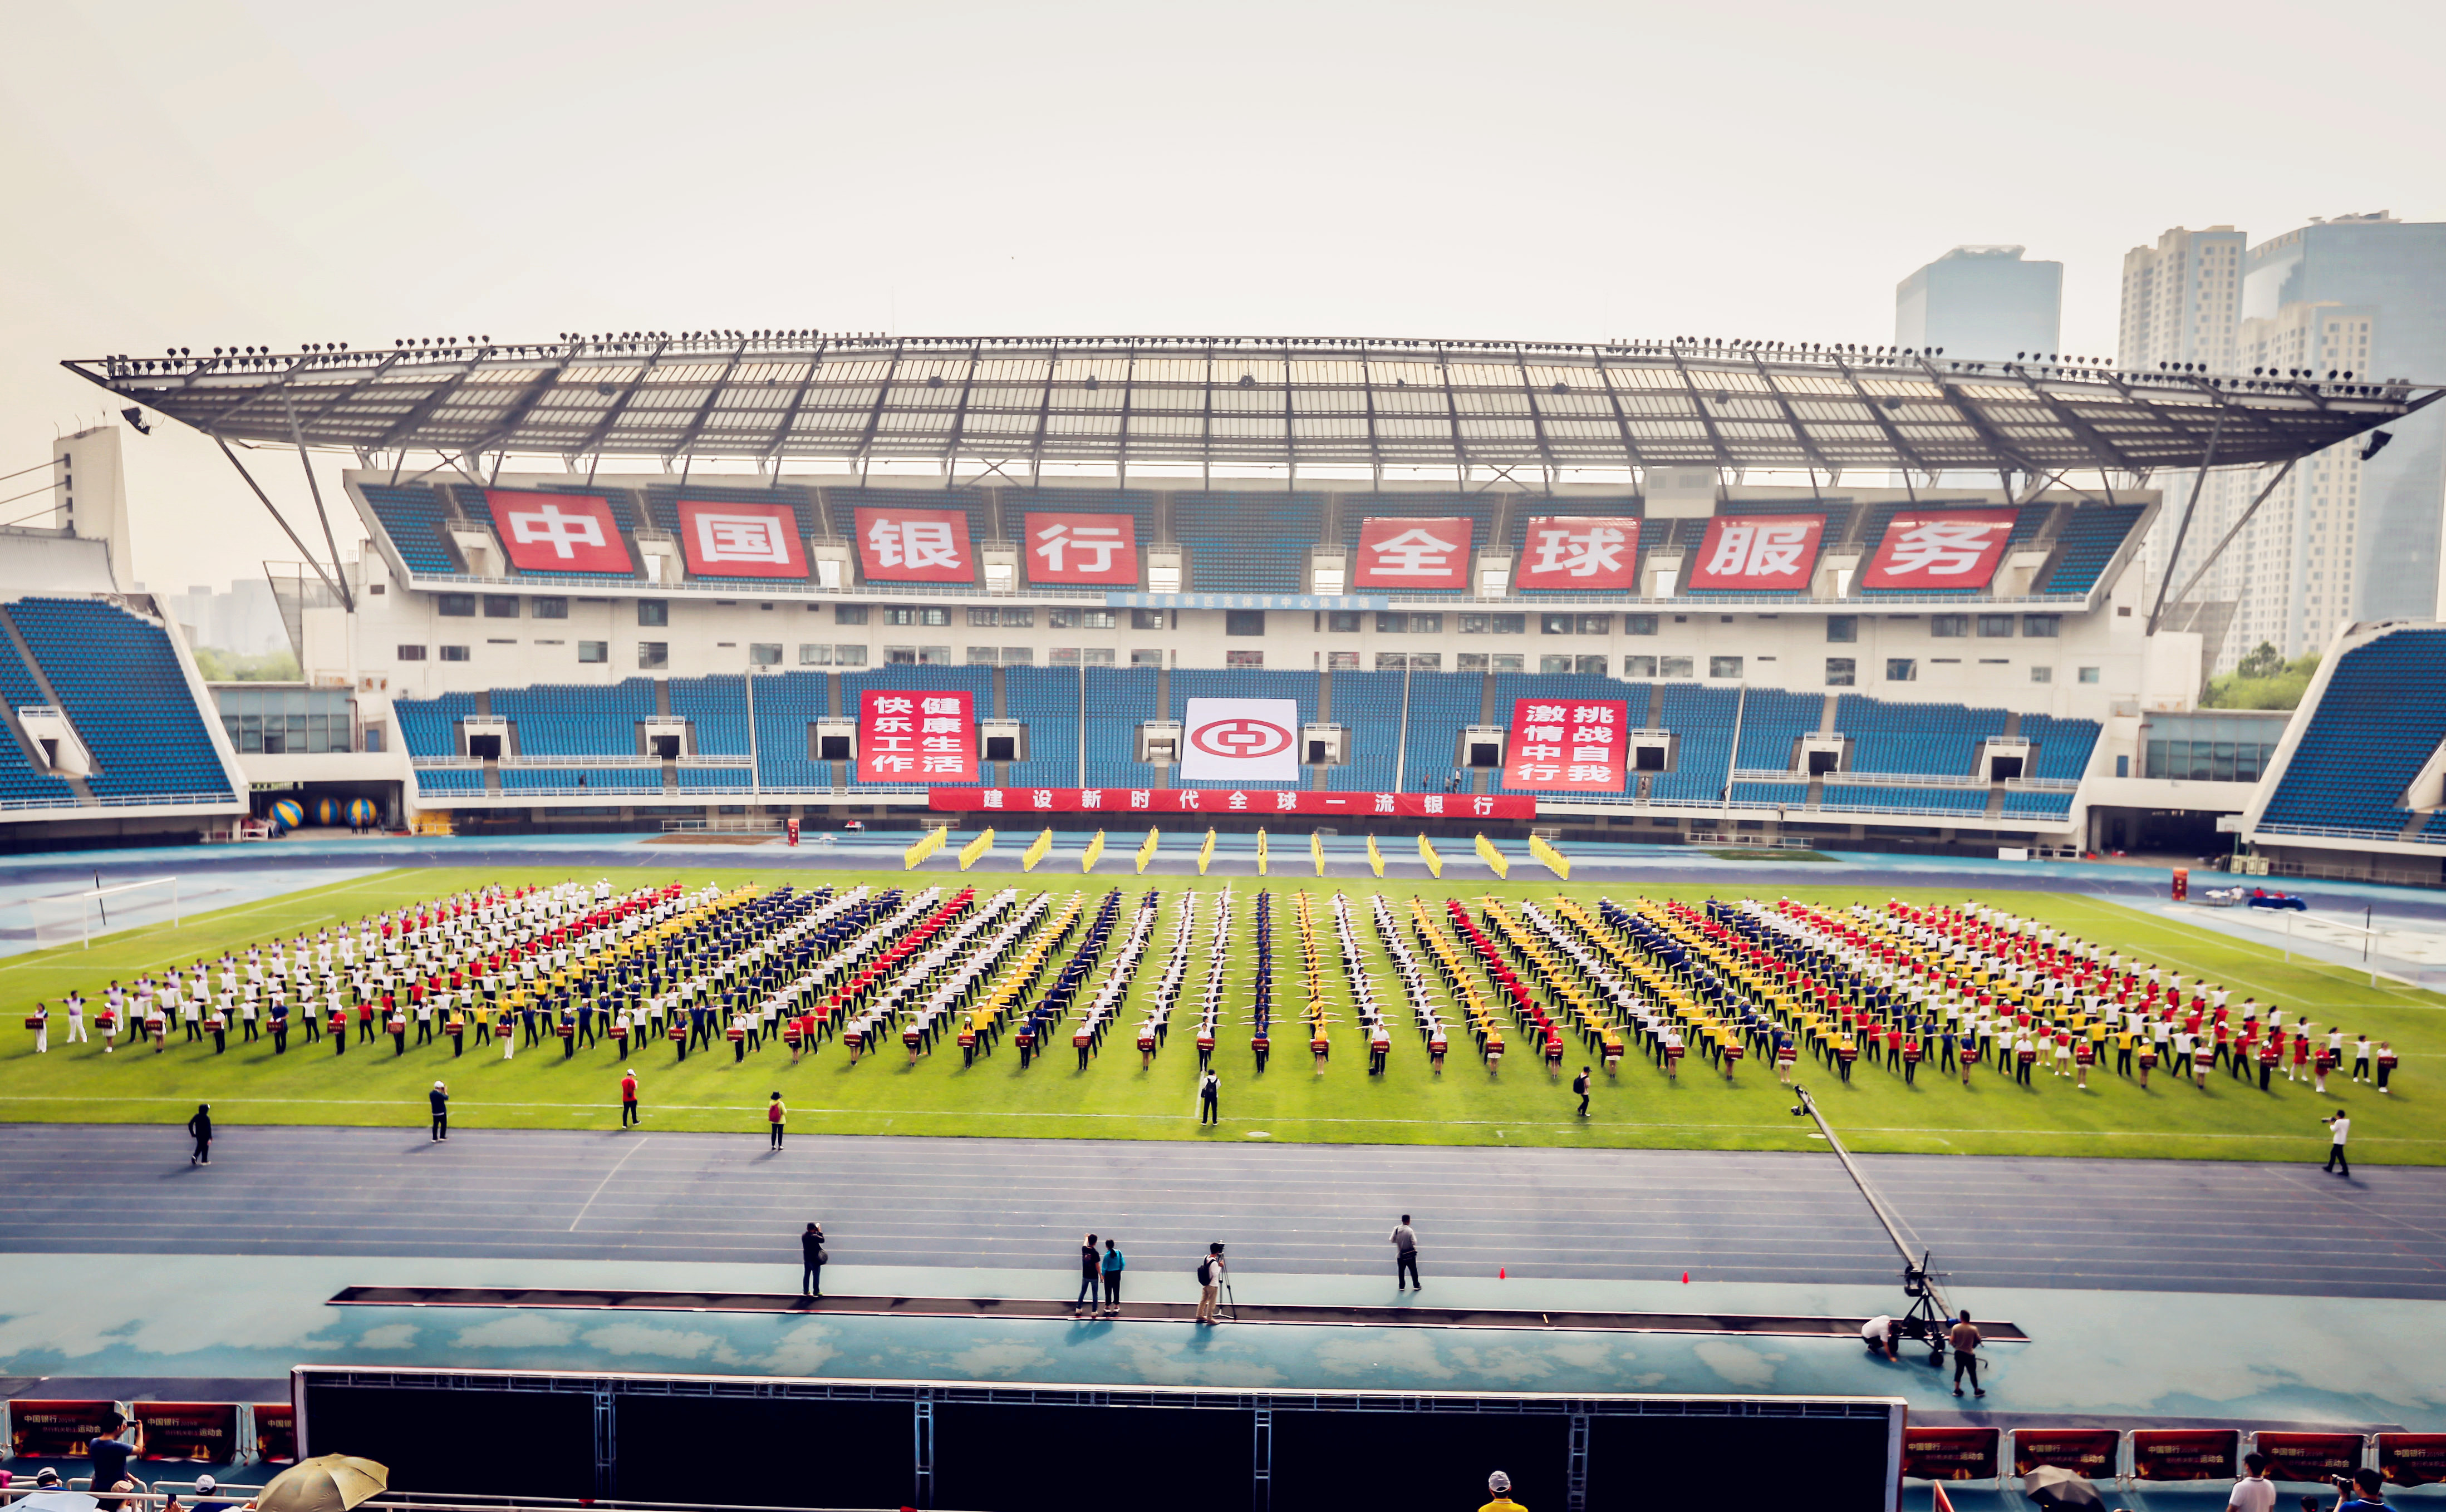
column 1927, row 1318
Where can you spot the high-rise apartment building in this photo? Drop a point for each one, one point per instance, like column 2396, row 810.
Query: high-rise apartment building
column 2342, row 539
column 1981, row 302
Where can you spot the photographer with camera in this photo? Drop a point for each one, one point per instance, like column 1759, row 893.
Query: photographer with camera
column 2363, row 1490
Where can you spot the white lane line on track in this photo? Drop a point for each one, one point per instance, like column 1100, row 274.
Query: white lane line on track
column 641, row 1142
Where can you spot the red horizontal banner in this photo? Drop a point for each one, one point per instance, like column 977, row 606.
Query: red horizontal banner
column 275, row 1432
column 56, row 1430
column 2184, row 1454
column 1950, row 1453
column 204, row 1432
column 2412, row 1459
column 1229, row 801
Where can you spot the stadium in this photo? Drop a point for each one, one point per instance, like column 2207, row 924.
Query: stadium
column 1721, row 832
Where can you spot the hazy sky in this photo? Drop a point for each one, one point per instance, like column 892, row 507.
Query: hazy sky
column 216, row 173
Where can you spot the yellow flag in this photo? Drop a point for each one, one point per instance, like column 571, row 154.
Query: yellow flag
column 1146, row 852
column 1555, row 861
column 977, row 850
column 1375, row 857
column 1493, row 857
column 1316, row 851
column 1035, row 851
column 1261, row 853
column 1094, row 853
column 1206, row 852
column 1427, row 853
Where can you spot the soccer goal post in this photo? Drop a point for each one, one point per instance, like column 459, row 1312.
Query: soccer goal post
column 78, row 917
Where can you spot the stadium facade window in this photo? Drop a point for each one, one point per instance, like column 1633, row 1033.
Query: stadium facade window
column 1554, row 667
column 1596, row 625
column 1675, row 666
column 593, row 651
column 1081, row 620
column 1901, row 669
column 2089, row 674
column 1639, row 625
column 982, row 656
column 2043, row 627
column 934, row 656
column 849, row 656
column 2123, row 766
column 1392, row 624
column 1147, row 657
column 1244, row 622
column 1553, row 624
column 1016, row 618
column 2207, row 760
column 1245, row 658
column 1510, row 664
column 1949, row 626
column 411, row 653
column 1427, row 624
column 929, row 614
column 454, row 605
column 984, row 619
column 1587, row 666
column 1097, row 656
column 555, row 608
column 1842, row 629
column 1345, row 622
column 652, row 654
column 1019, row 656
column 1062, row 656
column 455, row 653
column 849, row 613
column 1995, row 626
column 1494, row 624
column 1723, row 666
column 653, row 611
column 1639, row 667
column 1842, row 672
column 2042, row 674
column 815, row 653
column 1141, row 619
column 502, row 606
column 1468, row 662
column 765, row 653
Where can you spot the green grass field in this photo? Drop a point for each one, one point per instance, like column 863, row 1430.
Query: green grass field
column 1114, row 1098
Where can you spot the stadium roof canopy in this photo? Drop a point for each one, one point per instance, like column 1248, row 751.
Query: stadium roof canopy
column 1015, row 403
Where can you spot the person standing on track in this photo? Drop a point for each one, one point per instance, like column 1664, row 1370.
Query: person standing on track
column 440, row 1098
column 628, row 1114
column 1966, row 1339
column 1090, row 1277
column 775, row 1117
column 2338, row 1127
column 1580, row 1089
column 1404, row 1241
column 1210, row 1098
column 1114, row 1262
column 1210, row 1283
column 200, row 1128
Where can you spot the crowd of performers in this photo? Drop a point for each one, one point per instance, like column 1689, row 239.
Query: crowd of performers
column 1898, row 988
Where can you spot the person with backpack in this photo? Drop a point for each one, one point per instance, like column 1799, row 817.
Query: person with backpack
column 812, row 1256
column 1580, row 1089
column 1210, row 1282
column 1210, row 1096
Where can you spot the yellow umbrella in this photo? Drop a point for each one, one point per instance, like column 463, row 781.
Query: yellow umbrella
column 326, row 1482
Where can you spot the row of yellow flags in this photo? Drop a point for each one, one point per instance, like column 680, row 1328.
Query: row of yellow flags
column 935, row 840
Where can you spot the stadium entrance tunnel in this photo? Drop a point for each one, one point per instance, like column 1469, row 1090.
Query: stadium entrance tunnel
column 2163, row 831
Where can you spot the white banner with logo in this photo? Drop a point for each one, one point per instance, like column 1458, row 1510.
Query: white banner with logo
column 1247, row 740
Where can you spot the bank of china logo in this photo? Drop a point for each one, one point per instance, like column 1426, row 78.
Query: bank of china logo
column 1241, row 739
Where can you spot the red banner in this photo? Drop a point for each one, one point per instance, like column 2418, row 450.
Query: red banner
column 557, row 532
column 1082, row 549
column 1760, row 554
column 914, row 546
column 1950, row 1453
column 912, row 735
column 1566, row 745
column 205, row 1432
column 2310, row 1458
column 2412, row 1459
column 741, row 540
column 2184, row 1454
column 56, row 1430
column 1941, row 549
column 2086, row 1453
column 1413, row 555
column 1569, row 553
column 275, row 1432
column 1229, row 801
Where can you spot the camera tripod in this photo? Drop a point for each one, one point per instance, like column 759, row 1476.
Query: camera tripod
column 1927, row 1318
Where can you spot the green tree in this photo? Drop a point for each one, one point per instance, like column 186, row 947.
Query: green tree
column 2265, row 662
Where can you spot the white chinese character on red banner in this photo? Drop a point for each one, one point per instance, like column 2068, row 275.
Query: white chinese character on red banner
column 1544, row 713
column 1415, row 552
column 1747, row 550
column 1434, row 803
column 1094, row 545
column 741, row 538
column 1287, row 801
column 1140, row 797
column 1941, row 548
column 563, row 533
column 1189, row 797
column 1384, row 803
column 1091, row 797
column 1590, row 552
column 913, row 544
column 1043, row 798
column 1239, row 800
column 993, row 797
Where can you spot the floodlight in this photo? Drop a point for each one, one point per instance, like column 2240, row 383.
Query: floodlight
column 135, row 416
column 2377, row 443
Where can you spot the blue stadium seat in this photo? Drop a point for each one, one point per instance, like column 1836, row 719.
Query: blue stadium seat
column 607, row 780
column 1786, row 794
column 694, row 779
column 1772, row 722
column 2064, row 746
column 2088, row 543
column 1045, row 699
column 1871, row 799
column 450, row 780
column 1915, row 740
column 717, row 707
column 429, row 726
column 125, row 691
column 560, row 719
column 413, row 516
column 1247, row 543
column 20, row 784
column 2038, row 805
column 786, row 704
column 2381, row 716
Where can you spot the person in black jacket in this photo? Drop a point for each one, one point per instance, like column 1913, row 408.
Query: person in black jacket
column 201, row 1128
column 440, row 1098
column 812, row 1257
